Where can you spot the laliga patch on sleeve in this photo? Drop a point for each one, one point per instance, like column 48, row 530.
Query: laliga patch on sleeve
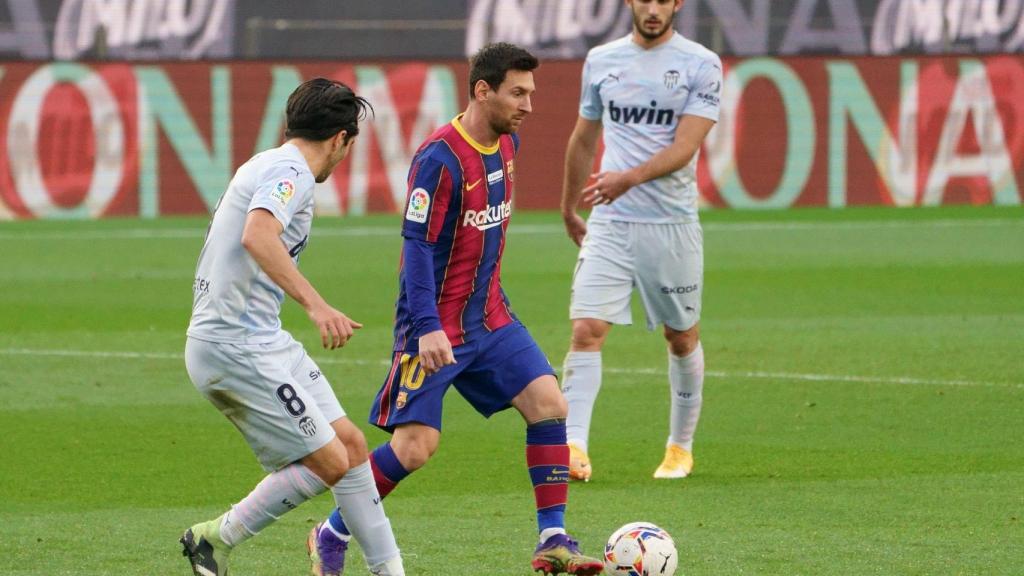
column 419, row 203
column 283, row 191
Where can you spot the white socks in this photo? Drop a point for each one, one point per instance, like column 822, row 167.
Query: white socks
column 356, row 495
column 549, row 532
column 686, row 379
column 581, row 381
column 392, row 567
column 276, row 494
column 359, row 502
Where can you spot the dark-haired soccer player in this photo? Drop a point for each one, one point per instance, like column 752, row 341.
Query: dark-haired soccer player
column 453, row 324
column 253, row 371
column 655, row 95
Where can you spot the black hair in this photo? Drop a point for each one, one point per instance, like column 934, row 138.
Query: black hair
column 492, row 62
column 320, row 108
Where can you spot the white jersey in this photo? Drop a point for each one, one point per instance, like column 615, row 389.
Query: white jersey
column 639, row 95
column 234, row 301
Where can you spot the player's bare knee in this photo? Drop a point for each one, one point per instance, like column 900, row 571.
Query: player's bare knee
column 554, row 402
column 588, row 334
column 414, row 454
column 541, row 400
column 353, row 439
column 559, row 407
column 329, row 463
column 414, row 445
column 682, row 343
column 333, row 472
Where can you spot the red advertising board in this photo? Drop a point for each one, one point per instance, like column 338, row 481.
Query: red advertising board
column 81, row 140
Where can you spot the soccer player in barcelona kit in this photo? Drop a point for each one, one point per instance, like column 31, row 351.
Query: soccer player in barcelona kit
column 453, row 324
column 656, row 96
column 253, row 371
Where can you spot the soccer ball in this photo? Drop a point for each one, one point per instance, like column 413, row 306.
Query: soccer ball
column 640, row 549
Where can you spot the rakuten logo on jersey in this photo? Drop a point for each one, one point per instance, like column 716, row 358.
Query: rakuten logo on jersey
column 488, row 218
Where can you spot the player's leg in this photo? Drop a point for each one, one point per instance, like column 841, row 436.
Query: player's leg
column 358, row 500
column 512, row 371
column 355, row 493
column 282, row 424
column 670, row 279
column 408, row 405
column 581, row 373
column 409, row 448
column 544, row 411
column 357, row 497
column 601, row 289
column 547, row 456
column 686, row 381
column 208, row 544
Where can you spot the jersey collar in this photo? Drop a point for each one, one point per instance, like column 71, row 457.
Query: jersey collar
column 675, row 35
column 476, row 145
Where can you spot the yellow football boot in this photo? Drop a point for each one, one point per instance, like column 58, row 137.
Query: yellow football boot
column 678, row 463
column 579, row 464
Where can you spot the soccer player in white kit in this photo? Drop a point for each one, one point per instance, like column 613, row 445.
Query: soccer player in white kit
column 655, row 95
column 254, row 372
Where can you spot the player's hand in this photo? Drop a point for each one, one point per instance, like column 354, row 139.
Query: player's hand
column 607, row 187
column 576, row 227
column 335, row 327
column 435, row 352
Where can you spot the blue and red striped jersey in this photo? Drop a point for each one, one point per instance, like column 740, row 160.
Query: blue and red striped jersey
column 459, row 201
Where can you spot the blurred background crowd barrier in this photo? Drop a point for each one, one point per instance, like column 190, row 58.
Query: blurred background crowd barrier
column 145, row 107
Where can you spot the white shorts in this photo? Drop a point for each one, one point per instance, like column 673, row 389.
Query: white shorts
column 273, row 393
column 665, row 262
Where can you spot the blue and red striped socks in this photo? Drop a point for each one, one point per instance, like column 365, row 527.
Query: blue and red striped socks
column 547, row 457
column 387, row 470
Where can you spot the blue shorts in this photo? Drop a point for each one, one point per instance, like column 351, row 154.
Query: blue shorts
column 489, row 373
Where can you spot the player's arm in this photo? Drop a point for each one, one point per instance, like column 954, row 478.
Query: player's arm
column 689, row 136
column 579, row 159
column 420, row 289
column 431, row 192
column 261, row 237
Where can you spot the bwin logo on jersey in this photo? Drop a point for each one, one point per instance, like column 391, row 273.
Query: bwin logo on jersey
column 636, row 115
column 488, row 217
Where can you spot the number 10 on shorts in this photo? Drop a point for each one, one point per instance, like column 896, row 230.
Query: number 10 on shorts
column 412, row 373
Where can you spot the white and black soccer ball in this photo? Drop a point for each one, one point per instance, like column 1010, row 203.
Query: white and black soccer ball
column 640, row 549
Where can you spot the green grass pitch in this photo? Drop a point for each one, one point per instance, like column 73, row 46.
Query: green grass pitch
column 864, row 405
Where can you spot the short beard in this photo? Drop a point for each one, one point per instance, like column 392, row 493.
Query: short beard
column 501, row 126
column 638, row 26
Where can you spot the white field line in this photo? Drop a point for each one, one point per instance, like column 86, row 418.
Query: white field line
column 378, row 231
column 755, row 375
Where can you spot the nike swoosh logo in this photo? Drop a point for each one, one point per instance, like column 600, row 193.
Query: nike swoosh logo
column 474, row 184
column 489, row 226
